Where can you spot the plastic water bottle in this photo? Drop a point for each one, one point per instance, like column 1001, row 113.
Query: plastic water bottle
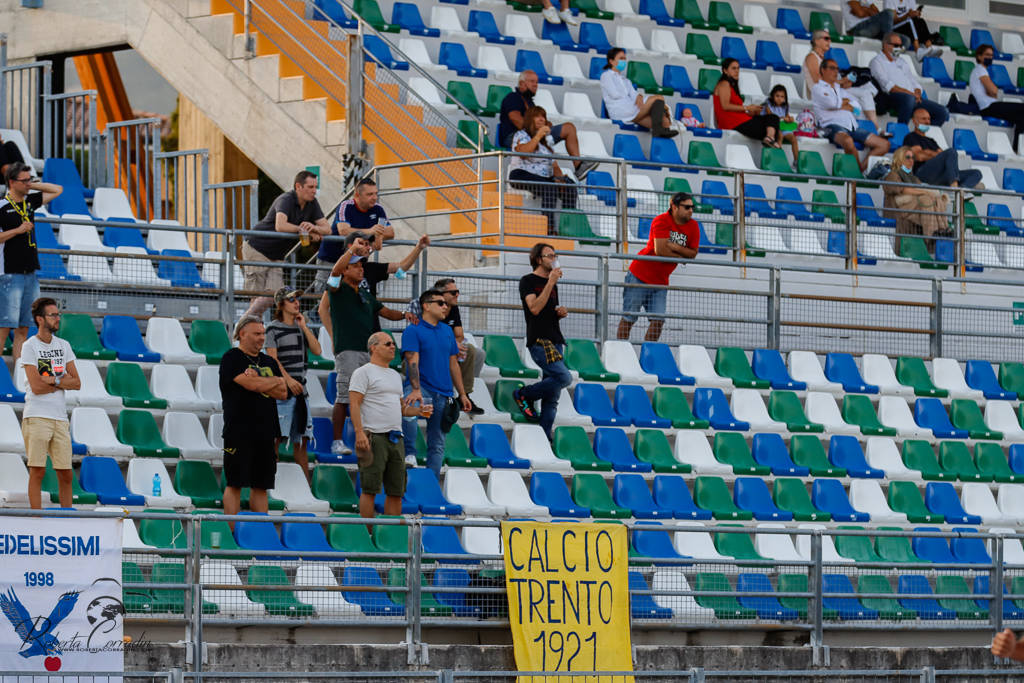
column 156, row 485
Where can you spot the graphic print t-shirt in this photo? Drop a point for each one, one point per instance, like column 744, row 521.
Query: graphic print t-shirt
column 51, row 360
column 248, row 415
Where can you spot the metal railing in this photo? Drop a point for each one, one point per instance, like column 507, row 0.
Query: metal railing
column 129, row 153
column 22, row 87
column 70, row 132
column 179, row 188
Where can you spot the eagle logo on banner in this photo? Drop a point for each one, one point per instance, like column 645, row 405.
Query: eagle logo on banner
column 36, row 632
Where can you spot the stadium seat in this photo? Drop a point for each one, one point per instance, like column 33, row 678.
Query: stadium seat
column 926, row 608
column 612, row 445
column 78, row 330
column 652, row 447
column 463, row 488
column 769, row 450
column 91, row 426
column 670, row 493
column 530, row 443
column 531, row 59
column 930, row 413
column 692, row 449
column 457, row 453
column 711, row 493
column 444, row 540
column 844, row 451
column 867, row 495
column 784, row 407
column 1010, row 610
column 748, row 407
column 229, row 602
column 643, row 606
column 848, row 609
column 918, row 455
column 63, row 172
column 127, row 381
column 183, row 432
column 791, row 495
column 857, row 410
column 677, row 78
column 766, row 606
column 424, row 491
column 209, row 338
column 768, row 366
column 992, row 463
column 724, row 606
column 619, row 358
column 877, row 371
column 735, row 48
column 592, row 400
column 752, row 494
column 1011, row 377
column 935, row 69
column 549, row 489
column 941, row 499
column 882, row 454
column 102, row 476
column 893, row 412
column 137, row 428
column 701, row 153
column 965, row 140
column 710, row 404
column 732, row 363
column 502, row 354
column 590, row 491
column 9, row 392
column 92, row 393
column 488, row 441
column 656, row 360
column 195, row 479
column 632, row 403
column 327, row 603
column 804, row 367
column 670, row 403
column 856, row 548
column 140, row 480
column 695, row 362
column 807, row 451
column 732, row 450
column 966, row 415
column 887, row 608
column 821, row 409
column 507, row 488
column 829, row 496
column 978, row 500
column 373, row 603
column 630, row 491
column 571, row 443
column 120, row 333
column 999, row 416
column 292, row 487
column 166, row 337
column 738, row 545
column 841, row 368
column 171, row 383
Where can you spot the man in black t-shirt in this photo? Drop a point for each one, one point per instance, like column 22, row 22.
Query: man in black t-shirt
column 19, row 255
column 296, row 212
column 932, row 165
column 539, row 293
column 250, row 386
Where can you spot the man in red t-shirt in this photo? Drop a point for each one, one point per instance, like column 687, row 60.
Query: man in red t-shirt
column 674, row 234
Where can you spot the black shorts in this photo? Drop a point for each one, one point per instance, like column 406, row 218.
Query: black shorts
column 250, row 462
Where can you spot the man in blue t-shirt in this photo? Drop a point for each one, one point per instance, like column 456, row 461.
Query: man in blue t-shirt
column 432, row 364
column 362, row 214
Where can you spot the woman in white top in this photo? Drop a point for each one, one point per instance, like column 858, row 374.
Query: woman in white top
column 864, row 95
column 986, row 94
column 540, row 175
column 624, row 103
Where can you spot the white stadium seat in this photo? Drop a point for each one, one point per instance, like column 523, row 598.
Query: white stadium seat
column 111, row 202
column 748, row 406
column 693, row 449
column 866, row 495
column 775, row 546
column 229, row 602
column 463, row 487
column 208, row 384
column 482, row 540
column 804, row 366
column 158, row 240
column 1001, row 416
column 828, row 546
column 695, row 362
column 18, row 138
column 291, row 486
column 491, row 57
column 136, row 271
column 738, row 157
column 882, row 454
column 416, row 51
column 671, row 579
column 215, row 431
column 568, row 67
column 946, row 374
column 93, row 391
column 665, row 42
column 1013, row 551
column 13, row 473
column 89, row 268
column 977, row 500
column 140, row 480
column 184, row 432
column 1010, row 498
column 327, row 603
column 11, row 440
column 619, row 356
column 91, row 426
column 577, row 105
column 529, row 442
column 821, row 408
column 697, row 544
column 446, row 19
column 518, row 26
column 171, row 382
column 878, row 370
column 893, row 411
column 85, row 237
column 129, row 534
column 165, row 336
column 544, row 99
column 506, row 488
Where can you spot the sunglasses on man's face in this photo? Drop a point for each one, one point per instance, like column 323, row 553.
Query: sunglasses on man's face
column 387, row 343
column 439, row 302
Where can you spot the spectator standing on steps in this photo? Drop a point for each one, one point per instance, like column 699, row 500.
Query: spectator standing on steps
column 250, row 386
column 288, row 337
column 50, row 370
column 19, row 254
column 296, row 213
column 674, row 234
column 538, row 291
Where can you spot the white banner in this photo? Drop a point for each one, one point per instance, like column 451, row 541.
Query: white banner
column 61, row 603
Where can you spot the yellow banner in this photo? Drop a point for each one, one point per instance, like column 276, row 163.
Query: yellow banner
column 568, row 596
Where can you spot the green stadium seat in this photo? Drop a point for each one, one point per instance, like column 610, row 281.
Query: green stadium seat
column 954, row 41
column 570, row 442
column 590, row 490
column 314, row 362
column 577, row 226
column 195, row 479
column 127, row 381
column 731, row 449
column 463, row 92
column 822, row 21
column 711, row 493
column 725, row 237
column 797, row 583
column 670, row 403
column 811, row 163
column 707, row 79
column 973, row 221
column 808, row 451
column 962, row 70
column 279, row 603
column 740, row 546
column 429, row 606
column 495, row 95
column 689, row 11
column 272, row 503
column 775, row 160
column 591, row 10
column 77, row 329
column 791, row 495
column 172, row 600
column 79, row 496
column 701, row 153
column 502, row 354
column 955, row 457
column 392, row 538
column 1017, row 588
column 503, row 401
column 888, row 608
column 911, row 372
column 642, row 76
column 210, row 338
column 846, row 166
column 895, row 548
column 731, row 362
column 352, row 538
column 469, row 137
column 965, row 607
column 858, row 411
column 1011, row 377
column 135, row 600
column 652, row 446
column 217, row 535
column 137, row 428
column 167, row 534
column 919, row 455
column 369, row 10
column 457, row 453
column 965, row 414
column 721, row 13
column 992, row 462
column 857, row 548
column 824, row 202
column 905, row 497
column 333, row 484
column 581, row 355
column 725, row 606
column 784, row 406
column 914, row 248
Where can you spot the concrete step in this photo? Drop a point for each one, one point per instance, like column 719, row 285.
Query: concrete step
column 311, row 115
column 218, row 29
column 263, row 71
column 290, row 89
column 194, row 8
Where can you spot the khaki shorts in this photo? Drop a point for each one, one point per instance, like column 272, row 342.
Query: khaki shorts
column 46, row 436
column 383, row 467
column 261, row 278
column 347, row 362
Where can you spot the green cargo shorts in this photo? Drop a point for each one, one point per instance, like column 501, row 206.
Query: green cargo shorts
column 383, row 467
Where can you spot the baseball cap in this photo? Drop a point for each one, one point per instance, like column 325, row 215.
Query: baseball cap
column 284, row 293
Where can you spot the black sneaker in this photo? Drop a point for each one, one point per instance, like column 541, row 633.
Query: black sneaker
column 584, row 168
column 475, row 409
column 524, row 406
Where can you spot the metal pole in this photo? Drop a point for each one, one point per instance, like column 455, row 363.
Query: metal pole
column 501, row 209
column 354, row 106
column 414, row 634
column 851, row 226
column 227, row 273
column 961, row 232
column 601, row 319
column 204, row 197
column 250, row 41
column 995, row 584
column 196, row 595
column 935, row 322
column 739, row 211
column 3, row 81
column 94, row 143
column 814, row 607
column 40, row 118
column 622, row 208
column 774, row 307
column 928, row 674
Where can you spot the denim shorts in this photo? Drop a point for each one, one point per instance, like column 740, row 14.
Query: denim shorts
column 651, row 299
column 858, row 134
column 17, row 292
column 286, row 418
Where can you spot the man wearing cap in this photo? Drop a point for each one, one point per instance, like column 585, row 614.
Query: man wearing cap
column 374, row 272
column 288, row 337
column 348, row 313
column 250, row 386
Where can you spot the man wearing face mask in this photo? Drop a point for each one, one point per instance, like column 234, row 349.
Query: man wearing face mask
column 899, row 85
column 933, row 165
column 985, row 93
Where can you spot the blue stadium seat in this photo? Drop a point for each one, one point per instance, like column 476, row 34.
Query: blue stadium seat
column 706, row 244
column 930, row 414
column 424, row 491
column 666, row 151
column 453, row 56
column 63, row 172
column 839, row 55
column 756, row 201
column 549, row 489
column 658, row 359
column 655, row 9
column 766, row 606
column 102, row 476
column 643, row 606
column 560, row 36
column 334, row 11
column 598, row 180
column 837, row 245
column 651, row 541
column 373, row 603
column 829, row 496
column 768, row 364
column 8, row 391
column 866, row 212
column 981, row 376
column 121, row 333
column 643, row 227
column 592, row 35
column 935, row 69
column 379, row 501
column 482, row 23
column 710, row 403
column 628, row 147
column 258, row 534
column 323, row 436
column 488, row 441
column 612, row 445
column 51, row 267
column 898, row 131
column 453, row 577
column 926, row 608
column 982, row 36
column 767, row 52
column 676, row 77
column 940, row 497
column 1001, row 78
column 444, row 540
column 789, row 20
column 845, row 452
column 531, row 59
column 969, row 549
column 1010, row 610
column 999, row 216
column 1015, row 456
column 630, row 491
column 965, row 140
column 715, row 194
column 379, row 51
column 671, row 493
column 45, row 239
column 840, row 367
column 331, row 392
column 706, row 132
column 932, row 548
column 407, row 16
column 789, row 202
column 631, row 401
column 181, row 273
column 752, row 494
column 737, row 49
column 849, row 608
column 770, row 450
column 1013, row 178
column 592, row 400
column 304, row 537
column 116, row 236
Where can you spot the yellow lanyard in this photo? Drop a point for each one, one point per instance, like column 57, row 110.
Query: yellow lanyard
column 23, row 212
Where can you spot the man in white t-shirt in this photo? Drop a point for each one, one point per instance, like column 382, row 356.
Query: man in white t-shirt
column 375, row 406
column 50, row 369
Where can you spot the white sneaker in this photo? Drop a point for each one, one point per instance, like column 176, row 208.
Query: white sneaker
column 338, row 447
column 550, row 15
column 410, row 460
column 568, row 18
column 923, row 52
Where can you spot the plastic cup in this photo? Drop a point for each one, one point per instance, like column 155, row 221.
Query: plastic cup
column 304, row 238
column 215, row 539
column 427, row 406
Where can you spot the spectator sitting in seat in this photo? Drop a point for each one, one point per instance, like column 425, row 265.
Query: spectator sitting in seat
column 986, row 94
column 861, row 18
column 906, row 202
column 511, row 119
column 732, row 114
column 778, row 104
column 907, row 20
column 862, row 96
column 538, row 175
column 900, row 88
column 834, row 112
column 625, row 103
column 932, row 165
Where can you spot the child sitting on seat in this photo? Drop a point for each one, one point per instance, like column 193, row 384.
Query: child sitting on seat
column 778, row 104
